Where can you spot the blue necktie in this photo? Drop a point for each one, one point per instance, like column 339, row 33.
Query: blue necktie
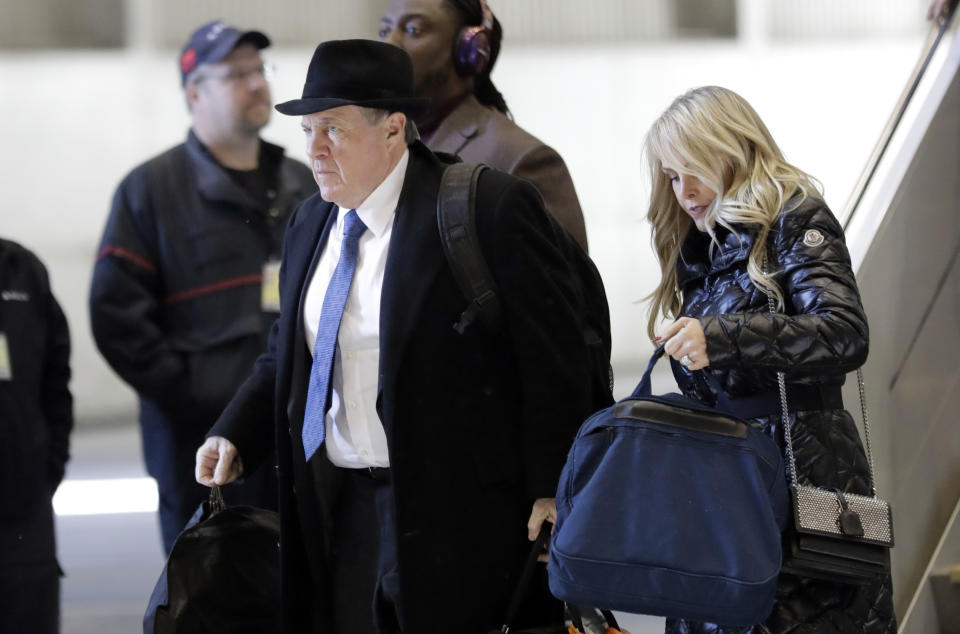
column 326, row 344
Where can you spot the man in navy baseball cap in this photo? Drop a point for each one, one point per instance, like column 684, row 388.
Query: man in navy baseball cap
column 185, row 289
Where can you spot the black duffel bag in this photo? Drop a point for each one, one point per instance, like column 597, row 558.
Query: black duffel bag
column 222, row 575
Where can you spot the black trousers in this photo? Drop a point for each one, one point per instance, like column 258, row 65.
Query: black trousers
column 365, row 582
column 30, row 598
column 29, row 574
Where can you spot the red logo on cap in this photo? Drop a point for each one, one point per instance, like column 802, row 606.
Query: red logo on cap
column 188, row 61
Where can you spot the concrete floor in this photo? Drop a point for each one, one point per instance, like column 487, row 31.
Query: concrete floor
column 111, row 561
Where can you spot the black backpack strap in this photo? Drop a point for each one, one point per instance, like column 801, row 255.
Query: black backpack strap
column 456, row 218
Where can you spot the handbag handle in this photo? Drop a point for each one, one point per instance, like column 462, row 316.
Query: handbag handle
column 520, row 590
column 643, row 388
column 216, row 503
column 785, row 418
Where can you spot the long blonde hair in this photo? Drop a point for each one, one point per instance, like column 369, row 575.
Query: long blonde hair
column 715, row 135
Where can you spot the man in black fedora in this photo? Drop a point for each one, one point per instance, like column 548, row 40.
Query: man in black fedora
column 415, row 461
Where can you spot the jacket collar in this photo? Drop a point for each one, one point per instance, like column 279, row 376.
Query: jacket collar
column 695, row 259
column 734, row 246
column 213, row 182
column 467, row 121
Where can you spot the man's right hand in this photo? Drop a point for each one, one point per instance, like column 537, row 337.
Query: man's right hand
column 218, row 462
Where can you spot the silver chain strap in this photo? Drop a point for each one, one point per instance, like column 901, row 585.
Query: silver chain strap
column 866, row 429
column 785, row 418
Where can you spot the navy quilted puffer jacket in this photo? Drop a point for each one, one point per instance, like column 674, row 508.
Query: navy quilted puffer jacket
column 820, row 335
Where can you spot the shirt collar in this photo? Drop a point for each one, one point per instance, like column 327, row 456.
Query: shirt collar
column 378, row 209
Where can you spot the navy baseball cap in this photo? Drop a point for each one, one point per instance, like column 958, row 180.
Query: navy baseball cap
column 212, row 42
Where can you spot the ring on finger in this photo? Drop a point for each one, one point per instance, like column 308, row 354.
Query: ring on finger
column 686, row 361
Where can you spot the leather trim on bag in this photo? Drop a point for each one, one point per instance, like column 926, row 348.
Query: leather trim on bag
column 680, row 417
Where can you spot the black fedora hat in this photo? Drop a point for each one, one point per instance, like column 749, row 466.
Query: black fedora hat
column 357, row 73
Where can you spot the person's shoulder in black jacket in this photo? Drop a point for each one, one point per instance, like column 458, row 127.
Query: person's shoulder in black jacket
column 36, row 405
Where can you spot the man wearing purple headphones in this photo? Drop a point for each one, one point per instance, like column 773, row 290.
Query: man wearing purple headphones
column 454, row 45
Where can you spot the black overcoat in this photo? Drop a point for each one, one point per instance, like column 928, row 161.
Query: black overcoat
column 819, row 335
column 36, row 407
column 478, row 425
column 36, row 417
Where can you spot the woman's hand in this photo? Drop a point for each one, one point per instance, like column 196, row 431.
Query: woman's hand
column 686, row 343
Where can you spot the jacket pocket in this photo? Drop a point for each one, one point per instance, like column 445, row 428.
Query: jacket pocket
column 214, row 374
column 213, row 247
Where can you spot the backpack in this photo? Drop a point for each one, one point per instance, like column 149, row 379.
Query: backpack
column 456, row 218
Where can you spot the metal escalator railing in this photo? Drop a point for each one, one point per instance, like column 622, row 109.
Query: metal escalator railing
column 934, row 36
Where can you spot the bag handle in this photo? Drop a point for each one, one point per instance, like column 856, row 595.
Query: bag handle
column 528, row 569
column 216, row 503
column 576, row 616
column 785, row 418
column 643, row 388
column 575, row 612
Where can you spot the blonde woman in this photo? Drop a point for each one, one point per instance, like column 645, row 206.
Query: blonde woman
column 732, row 223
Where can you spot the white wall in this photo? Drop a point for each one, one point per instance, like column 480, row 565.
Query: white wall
column 73, row 123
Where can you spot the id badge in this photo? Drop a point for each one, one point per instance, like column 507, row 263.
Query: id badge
column 270, row 291
column 6, row 369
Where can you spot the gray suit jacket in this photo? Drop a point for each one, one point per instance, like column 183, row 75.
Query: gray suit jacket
column 478, row 134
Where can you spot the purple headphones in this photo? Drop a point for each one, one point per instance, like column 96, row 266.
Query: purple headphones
column 471, row 53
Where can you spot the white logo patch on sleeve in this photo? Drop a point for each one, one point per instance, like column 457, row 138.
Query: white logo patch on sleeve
column 813, row 238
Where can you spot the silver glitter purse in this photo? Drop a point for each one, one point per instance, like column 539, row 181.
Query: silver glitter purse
column 836, row 536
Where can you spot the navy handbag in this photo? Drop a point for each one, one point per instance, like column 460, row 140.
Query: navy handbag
column 668, row 507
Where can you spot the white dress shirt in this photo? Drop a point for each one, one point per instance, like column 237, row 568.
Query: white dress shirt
column 355, row 437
